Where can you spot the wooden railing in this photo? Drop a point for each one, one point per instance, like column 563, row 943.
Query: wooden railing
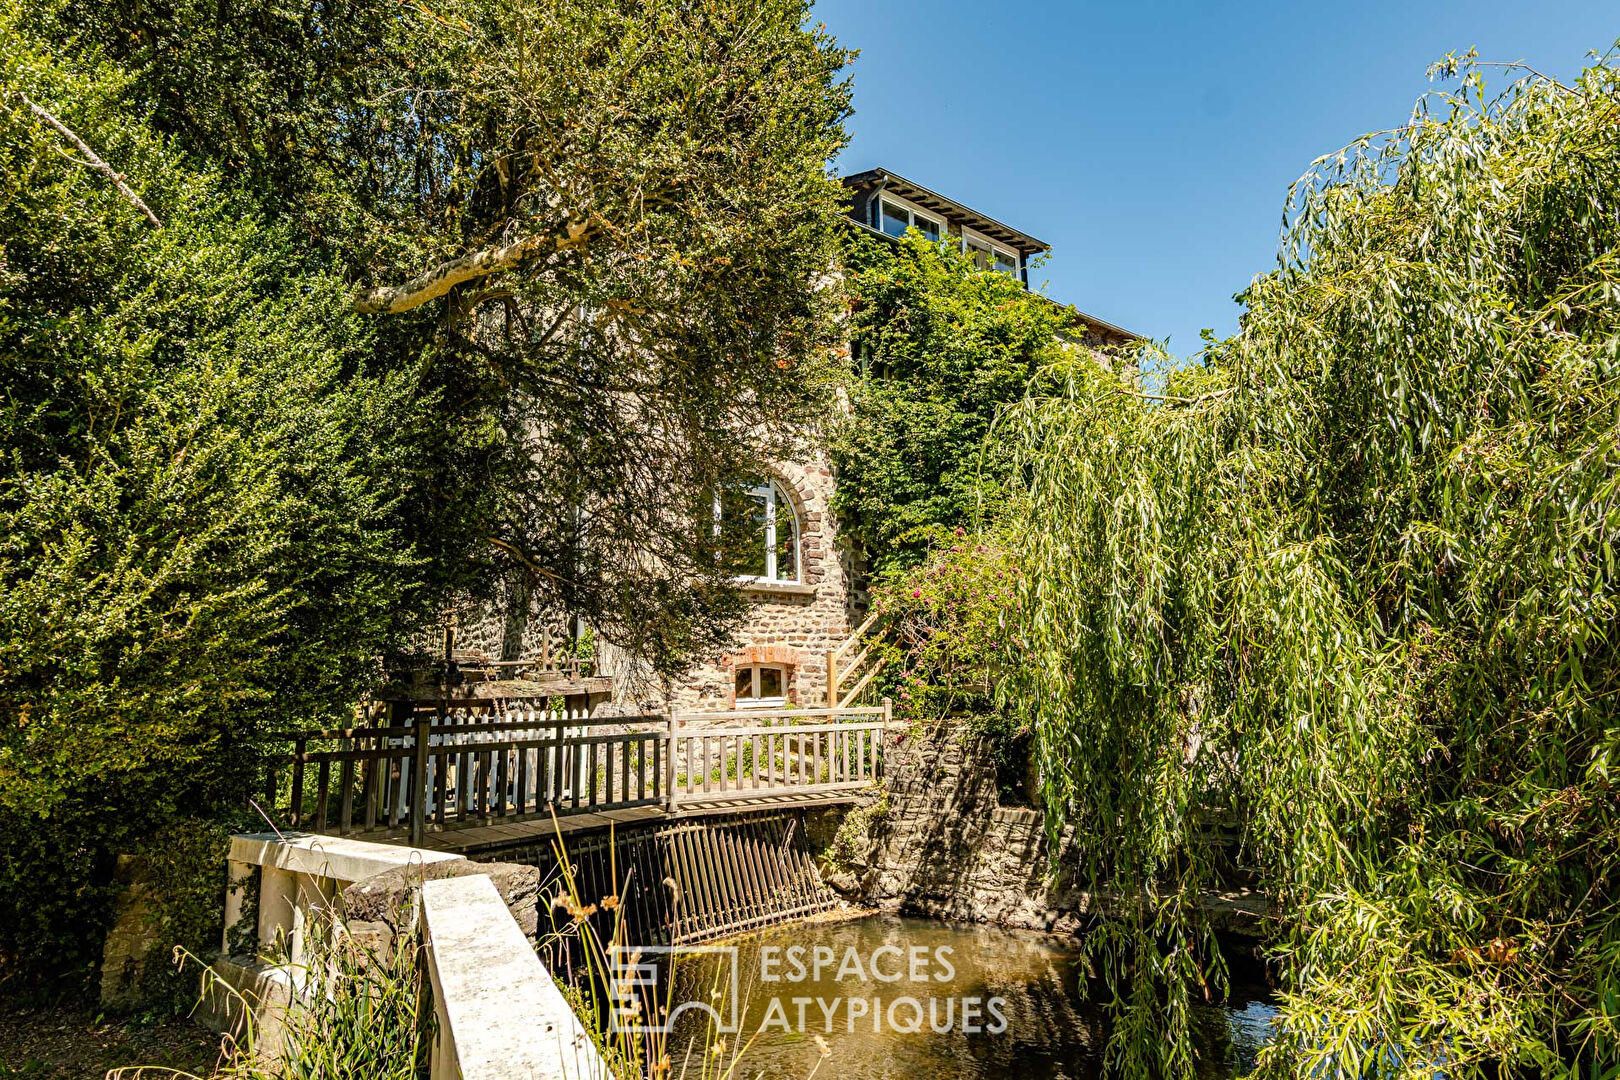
column 758, row 753
column 556, row 658
column 451, row 764
column 849, row 677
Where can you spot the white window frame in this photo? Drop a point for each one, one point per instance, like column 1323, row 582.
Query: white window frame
column 757, row 702
column 912, row 214
column 968, row 236
column 769, row 490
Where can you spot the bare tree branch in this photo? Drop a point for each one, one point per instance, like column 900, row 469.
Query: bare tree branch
column 528, row 564
column 393, row 299
column 94, row 161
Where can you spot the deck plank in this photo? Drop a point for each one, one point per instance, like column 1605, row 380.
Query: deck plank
column 464, row 839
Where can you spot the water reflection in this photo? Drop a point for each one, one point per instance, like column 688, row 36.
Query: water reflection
column 1049, row 1030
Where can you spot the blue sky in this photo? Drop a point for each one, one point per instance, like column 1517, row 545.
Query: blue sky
column 1152, row 143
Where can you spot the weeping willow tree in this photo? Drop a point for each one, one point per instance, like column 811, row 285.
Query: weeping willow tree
column 1350, row 583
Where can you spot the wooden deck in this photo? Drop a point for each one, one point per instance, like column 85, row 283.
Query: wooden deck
column 479, row 838
column 473, row 776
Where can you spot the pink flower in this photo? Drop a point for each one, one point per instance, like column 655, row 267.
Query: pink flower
column 916, row 593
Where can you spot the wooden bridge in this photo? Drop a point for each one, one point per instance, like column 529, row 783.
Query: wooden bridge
column 472, row 774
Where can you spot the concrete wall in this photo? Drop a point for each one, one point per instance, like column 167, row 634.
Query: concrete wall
column 499, row 1011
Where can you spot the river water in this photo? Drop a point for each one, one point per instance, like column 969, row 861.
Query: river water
column 986, row 1002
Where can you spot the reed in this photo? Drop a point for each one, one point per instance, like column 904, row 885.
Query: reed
column 360, row 1013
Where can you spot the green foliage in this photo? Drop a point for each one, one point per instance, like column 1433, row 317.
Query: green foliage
column 943, row 346
column 659, row 331
column 853, row 830
column 941, row 633
column 941, row 626
column 361, row 1015
column 1352, row 577
column 203, row 536
column 182, row 868
column 230, row 485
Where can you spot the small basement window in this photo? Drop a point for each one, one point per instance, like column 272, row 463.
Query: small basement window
column 761, row 685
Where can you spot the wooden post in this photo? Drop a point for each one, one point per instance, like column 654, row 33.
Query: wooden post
column 669, row 763
column 877, row 750
column 419, row 781
column 832, row 678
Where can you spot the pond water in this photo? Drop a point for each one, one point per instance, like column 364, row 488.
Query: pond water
column 987, row 1002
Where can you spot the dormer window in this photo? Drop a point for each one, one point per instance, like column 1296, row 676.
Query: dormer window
column 896, row 218
column 988, row 256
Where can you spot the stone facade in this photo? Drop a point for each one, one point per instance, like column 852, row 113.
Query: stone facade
column 790, row 625
column 938, row 842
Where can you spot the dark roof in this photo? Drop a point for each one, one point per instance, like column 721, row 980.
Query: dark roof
column 1101, row 327
column 976, row 221
column 950, row 208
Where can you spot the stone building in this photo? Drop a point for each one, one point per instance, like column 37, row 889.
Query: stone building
column 804, row 584
column 808, row 593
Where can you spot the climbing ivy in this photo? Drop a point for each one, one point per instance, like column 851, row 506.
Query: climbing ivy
column 941, row 345
column 1352, row 576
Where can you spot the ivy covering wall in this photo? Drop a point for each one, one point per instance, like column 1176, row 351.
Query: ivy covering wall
column 940, row 346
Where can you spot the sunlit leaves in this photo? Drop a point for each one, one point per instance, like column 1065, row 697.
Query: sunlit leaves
column 1352, row 581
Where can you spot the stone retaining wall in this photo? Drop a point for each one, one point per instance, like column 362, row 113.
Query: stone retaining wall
column 939, row 843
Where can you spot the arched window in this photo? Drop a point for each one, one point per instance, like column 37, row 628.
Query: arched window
column 759, row 532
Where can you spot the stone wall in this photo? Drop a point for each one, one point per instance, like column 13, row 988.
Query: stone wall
column 792, row 625
column 939, row 843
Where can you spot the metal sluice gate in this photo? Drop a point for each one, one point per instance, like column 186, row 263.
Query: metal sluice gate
column 694, row 881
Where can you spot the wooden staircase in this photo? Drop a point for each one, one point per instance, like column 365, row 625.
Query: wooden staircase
column 848, row 679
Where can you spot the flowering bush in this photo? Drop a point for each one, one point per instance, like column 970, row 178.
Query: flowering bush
column 943, row 623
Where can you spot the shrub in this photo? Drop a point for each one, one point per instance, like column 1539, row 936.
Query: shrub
column 942, row 624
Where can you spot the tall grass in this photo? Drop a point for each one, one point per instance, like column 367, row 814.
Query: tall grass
column 359, row 1012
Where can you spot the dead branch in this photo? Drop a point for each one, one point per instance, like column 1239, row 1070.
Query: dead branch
column 94, row 159
column 393, row 299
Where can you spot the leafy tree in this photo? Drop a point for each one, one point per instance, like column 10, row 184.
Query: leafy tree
column 943, row 345
column 368, row 304
column 1352, row 576
column 202, row 505
column 605, row 223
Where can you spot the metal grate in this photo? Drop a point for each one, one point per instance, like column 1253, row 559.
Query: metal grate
column 730, row 875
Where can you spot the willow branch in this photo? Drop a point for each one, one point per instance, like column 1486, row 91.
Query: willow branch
column 434, row 283
column 1172, row 399
column 94, row 159
column 1521, row 65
